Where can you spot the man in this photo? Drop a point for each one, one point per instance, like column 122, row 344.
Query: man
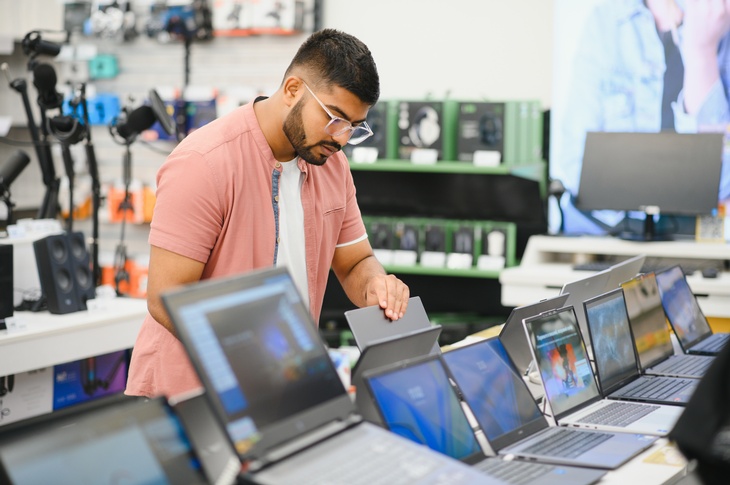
column 267, row 185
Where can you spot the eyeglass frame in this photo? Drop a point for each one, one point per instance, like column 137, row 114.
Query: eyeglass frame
column 334, row 119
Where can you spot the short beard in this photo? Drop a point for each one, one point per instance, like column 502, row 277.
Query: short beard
column 294, row 131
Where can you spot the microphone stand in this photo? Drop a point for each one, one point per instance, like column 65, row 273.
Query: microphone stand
column 95, row 189
column 49, row 206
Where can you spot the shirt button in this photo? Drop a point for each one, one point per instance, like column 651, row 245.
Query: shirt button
column 276, row 198
column 278, row 240
column 278, row 165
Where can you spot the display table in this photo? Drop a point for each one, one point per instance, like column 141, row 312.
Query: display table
column 547, row 264
column 37, row 340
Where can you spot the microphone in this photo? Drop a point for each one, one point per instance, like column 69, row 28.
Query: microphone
column 44, row 79
column 136, row 122
column 33, row 44
column 10, row 170
column 67, row 129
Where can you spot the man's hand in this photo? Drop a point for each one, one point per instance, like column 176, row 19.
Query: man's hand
column 390, row 293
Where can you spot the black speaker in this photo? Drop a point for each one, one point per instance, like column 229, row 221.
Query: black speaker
column 6, row 281
column 64, row 272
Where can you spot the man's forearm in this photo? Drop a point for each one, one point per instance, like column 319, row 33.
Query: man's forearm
column 355, row 283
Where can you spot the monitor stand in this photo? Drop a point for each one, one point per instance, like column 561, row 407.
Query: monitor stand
column 649, row 230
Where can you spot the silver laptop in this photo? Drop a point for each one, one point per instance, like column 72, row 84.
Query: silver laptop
column 131, row 441
column 617, row 367
column 416, row 400
column 570, row 385
column 369, row 324
column 379, row 353
column 274, row 389
column 652, row 336
column 512, row 422
column 685, row 316
column 512, row 334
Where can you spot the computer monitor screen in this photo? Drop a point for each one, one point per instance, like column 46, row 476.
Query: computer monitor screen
column 676, row 173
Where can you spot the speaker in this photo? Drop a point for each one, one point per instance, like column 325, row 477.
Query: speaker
column 6, row 281
column 64, row 272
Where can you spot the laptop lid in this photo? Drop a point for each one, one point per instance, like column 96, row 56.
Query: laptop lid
column 624, row 271
column 562, row 360
column 583, row 289
column 681, row 307
column 369, row 324
column 512, row 334
column 130, row 441
column 257, row 352
column 495, row 392
column 613, row 345
column 647, row 320
column 416, row 400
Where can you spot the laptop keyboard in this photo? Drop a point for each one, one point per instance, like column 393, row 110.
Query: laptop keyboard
column 385, row 462
column 619, row 414
column 684, row 365
column 656, row 388
column 567, row 443
column 513, row 472
column 713, row 344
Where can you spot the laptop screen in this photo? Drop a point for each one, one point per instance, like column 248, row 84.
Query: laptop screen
column 561, row 358
column 647, row 320
column 495, row 393
column 680, row 305
column 610, row 333
column 259, row 356
column 134, row 442
column 416, row 401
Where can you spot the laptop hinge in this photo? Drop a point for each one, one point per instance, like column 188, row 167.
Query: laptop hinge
column 304, row 441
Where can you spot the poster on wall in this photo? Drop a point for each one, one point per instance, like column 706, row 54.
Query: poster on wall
column 237, row 18
column 632, row 66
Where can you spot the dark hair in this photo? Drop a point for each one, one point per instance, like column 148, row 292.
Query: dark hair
column 340, row 59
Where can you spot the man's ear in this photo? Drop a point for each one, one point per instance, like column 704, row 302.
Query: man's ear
column 291, row 87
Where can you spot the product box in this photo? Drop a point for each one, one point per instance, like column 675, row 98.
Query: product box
column 463, row 239
column 380, row 234
column 407, row 235
column 433, row 248
column 376, row 147
column 90, row 378
column 420, row 131
column 497, row 246
column 26, row 395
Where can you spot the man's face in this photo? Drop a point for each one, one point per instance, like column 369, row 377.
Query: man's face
column 305, row 123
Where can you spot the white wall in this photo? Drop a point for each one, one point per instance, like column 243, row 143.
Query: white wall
column 476, row 49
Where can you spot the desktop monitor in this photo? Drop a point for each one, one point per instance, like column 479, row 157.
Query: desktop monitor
column 656, row 173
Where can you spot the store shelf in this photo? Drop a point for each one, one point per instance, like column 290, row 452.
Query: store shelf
column 431, row 271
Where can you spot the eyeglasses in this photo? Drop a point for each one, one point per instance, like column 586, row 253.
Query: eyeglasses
column 339, row 126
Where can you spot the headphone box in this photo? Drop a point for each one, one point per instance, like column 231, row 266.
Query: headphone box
column 420, row 130
column 376, row 147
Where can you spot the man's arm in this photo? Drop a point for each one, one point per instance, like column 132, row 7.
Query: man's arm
column 167, row 270
column 365, row 281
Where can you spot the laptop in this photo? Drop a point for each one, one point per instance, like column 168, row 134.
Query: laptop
column 512, row 334
column 272, row 386
column 685, row 316
column 131, row 441
column 652, row 337
column 512, row 422
column 570, row 385
column 369, row 324
column 387, row 351
column 417, row 401
column 617, row 367
column 624, row 271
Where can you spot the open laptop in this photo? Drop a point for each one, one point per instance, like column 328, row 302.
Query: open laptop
column 685, row 316
column 570, row 385
column 384, row 352
column 416, row 400
column 617, row 367
column 512, row 422
column 272, row 386
column 369, row 324
column 131, row 441
column 512, row 334
column 651, row 333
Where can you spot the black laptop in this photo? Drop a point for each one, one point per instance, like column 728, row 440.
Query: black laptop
column 272, row 386
column 685, row 316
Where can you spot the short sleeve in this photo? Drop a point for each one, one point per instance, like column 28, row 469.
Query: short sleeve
column 353, row 228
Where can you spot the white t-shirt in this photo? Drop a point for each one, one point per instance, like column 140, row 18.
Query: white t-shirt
column 292, row 252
